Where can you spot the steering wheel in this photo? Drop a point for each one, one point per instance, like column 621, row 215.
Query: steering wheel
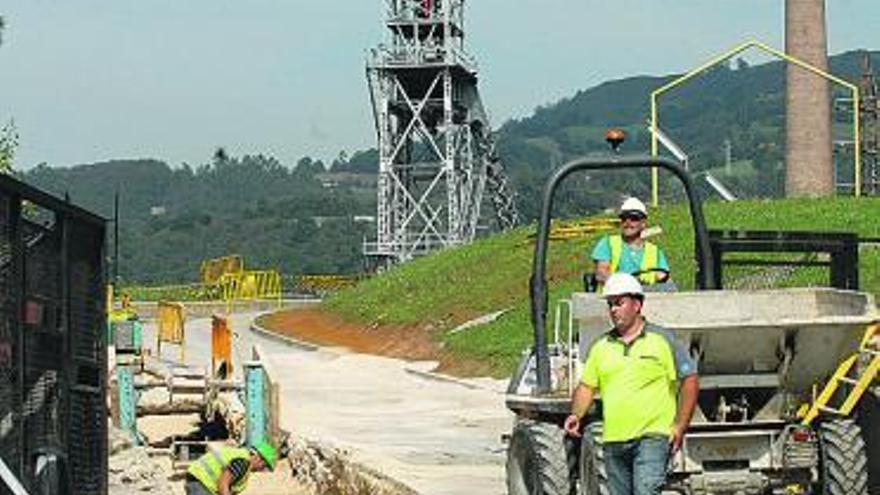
column 649, row 270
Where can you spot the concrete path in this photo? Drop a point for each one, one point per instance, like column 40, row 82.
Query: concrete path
column 438, row 437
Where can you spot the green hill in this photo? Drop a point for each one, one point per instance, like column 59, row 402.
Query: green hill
column 172, row 219
column 281, row 216
column 740, row 104
column 448, row 288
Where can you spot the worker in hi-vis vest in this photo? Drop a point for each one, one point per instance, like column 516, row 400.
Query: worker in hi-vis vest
column 629, row 251
column 225, row 470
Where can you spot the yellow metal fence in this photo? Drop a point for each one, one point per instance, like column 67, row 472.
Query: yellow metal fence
column 251, row 285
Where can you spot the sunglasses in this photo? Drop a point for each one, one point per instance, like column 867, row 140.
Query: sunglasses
column 632, row 216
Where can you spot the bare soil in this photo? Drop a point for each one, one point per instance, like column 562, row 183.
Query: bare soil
column 411, row 343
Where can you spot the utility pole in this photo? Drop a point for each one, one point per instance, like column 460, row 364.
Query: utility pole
column 728, row 156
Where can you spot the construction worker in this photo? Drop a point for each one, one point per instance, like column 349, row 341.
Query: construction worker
column 629, row 252
column 225, row 470
column 634, row 368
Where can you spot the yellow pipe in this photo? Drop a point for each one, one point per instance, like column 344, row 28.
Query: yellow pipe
column 857, row 160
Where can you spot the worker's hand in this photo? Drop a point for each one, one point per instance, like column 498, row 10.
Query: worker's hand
column 676, row 436
column 573, row 425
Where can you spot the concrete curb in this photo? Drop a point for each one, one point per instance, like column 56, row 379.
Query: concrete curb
column 440, row 377
column 284, row 339
column 306, row 346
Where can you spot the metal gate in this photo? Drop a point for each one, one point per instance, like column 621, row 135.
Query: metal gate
column 53, row 418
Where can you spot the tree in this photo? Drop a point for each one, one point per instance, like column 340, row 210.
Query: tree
column 8, row 134
column 8, row 146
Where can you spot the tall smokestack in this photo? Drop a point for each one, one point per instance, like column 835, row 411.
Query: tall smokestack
column 808, row 166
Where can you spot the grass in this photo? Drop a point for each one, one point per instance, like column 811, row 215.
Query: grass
column 445, row 289
column 184, row 293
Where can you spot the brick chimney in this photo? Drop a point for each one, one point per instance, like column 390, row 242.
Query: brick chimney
column 808, row 163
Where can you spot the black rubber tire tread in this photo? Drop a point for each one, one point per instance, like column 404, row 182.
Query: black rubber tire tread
column 592, row 473
column 572, row 458
column 536, row 460
column 843, row 460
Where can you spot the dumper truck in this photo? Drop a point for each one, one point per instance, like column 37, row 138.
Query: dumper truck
column 781, row 373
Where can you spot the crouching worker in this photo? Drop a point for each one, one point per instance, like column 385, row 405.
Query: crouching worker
column 225, row 470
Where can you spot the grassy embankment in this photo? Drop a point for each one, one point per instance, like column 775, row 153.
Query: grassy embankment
column 444, row 290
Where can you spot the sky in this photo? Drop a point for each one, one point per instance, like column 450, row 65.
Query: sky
column 92, row 80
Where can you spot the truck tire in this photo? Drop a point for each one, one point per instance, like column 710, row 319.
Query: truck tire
column 843, row 463
column 592, row 473
column 536, row 460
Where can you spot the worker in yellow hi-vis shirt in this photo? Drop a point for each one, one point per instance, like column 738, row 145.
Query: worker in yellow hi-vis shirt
column 225, row 470
column 629, row 251
column 648, row 386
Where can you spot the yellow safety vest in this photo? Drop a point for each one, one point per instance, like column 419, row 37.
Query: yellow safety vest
column 649, row 258
column 207, row 468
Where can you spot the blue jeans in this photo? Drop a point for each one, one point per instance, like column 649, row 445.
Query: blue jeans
column 637, row 467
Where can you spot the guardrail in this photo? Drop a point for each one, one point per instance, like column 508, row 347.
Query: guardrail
column 246, row 286
column 251, row 285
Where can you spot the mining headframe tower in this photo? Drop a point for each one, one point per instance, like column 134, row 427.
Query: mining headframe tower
column 437, row 161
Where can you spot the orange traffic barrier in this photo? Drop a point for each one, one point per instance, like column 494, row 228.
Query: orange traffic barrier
column 221, row 347
column 171, row 327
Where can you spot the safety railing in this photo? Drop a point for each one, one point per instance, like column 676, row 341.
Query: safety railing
column 250, row 286
column 175, row 292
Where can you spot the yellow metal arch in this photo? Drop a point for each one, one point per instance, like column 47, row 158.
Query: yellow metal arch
column 778, row 54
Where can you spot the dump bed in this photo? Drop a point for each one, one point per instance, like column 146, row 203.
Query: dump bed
column 748, row 332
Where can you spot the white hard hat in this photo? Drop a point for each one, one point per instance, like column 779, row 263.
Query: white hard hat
column 622, row 284
column 633, row 204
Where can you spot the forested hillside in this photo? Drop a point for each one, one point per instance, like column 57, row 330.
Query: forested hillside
column 297, row 218
column 171, row 219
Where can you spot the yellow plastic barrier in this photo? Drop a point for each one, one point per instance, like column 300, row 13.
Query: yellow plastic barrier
column 221, row 347
column 171, row 327
column 251, row 285
column 214, row 269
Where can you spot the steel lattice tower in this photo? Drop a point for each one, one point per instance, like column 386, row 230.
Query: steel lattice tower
column 870, row 114
column 436, row 152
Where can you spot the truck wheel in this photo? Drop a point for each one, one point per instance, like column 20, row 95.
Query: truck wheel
column 594, row 478
column 536, row 460
column 843, row 462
